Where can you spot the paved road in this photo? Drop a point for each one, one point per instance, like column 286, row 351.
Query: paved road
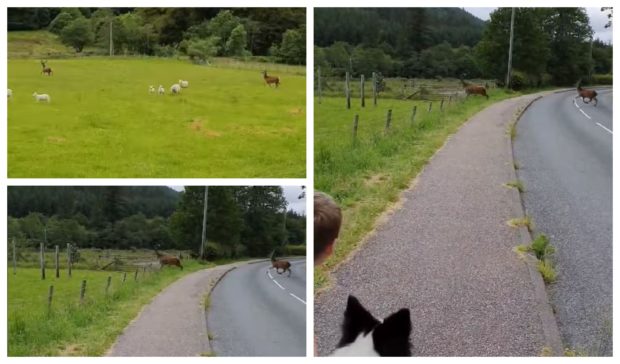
column 447, row 254
column 565, row 150
column 256, row 312
column 173, row 324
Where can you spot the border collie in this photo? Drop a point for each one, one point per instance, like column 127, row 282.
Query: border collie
column 364, row 335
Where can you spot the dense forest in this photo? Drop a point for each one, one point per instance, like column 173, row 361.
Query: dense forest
column 241, row 221
column 199, row 33
column 551, row 45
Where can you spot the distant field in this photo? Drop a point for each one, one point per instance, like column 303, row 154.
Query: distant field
column 74, row 329
column 103, row 123
column 368, row 174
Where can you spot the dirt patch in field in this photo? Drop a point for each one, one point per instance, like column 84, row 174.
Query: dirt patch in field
column 375, row 179
column 56, row 139
column 197, row 126
column 296, row 111
column 71, row 350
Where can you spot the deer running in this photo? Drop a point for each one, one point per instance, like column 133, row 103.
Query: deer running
column 587, row 94
column 44, row 69
column 280, row 264
column 474, row 89
column 168, row 260
column 271, row 79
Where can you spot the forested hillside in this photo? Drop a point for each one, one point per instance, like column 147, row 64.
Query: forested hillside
column 551, row 45
column 242, row 221
column 199, row 33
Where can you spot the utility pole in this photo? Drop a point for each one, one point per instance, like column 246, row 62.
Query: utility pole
column 591, row 68
column 512, row 27
column 204, row 225
column 111, row 40
column 284, row 236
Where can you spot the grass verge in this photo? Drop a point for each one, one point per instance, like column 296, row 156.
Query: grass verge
column 70, row 328
column 366, row 175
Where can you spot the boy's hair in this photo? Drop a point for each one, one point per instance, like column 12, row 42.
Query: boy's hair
column 327, row 220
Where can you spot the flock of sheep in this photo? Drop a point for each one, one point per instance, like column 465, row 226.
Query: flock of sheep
column 174, row 89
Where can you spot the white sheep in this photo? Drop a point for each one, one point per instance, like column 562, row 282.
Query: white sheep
column 10, row 93
column 184, row 83
column 161, row 90
column 175, row 89
column 42, row 97
column 151, row 89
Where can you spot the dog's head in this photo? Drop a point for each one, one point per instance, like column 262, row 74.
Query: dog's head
column 364, row 335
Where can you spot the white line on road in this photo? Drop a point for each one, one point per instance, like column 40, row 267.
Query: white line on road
column 609, row 131
column 269, row 274
column 302, row 301
column 586, row 115
column 278, row 284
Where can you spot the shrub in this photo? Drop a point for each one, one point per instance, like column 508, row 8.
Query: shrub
column 295, row 250
column 602, row 79
column 213, row 251
column 518, row 80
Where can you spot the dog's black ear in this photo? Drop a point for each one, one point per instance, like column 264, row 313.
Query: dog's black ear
column 356, row 320
column 391, row 338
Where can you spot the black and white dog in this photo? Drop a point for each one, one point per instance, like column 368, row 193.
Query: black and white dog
column 364, row 335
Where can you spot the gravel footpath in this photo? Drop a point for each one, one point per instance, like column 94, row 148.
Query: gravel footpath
column 447, row 254
column 174, row 323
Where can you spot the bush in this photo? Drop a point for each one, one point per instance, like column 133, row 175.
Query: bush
column 213, row 251
column 518, row 80
column 164, row 51
column 295, row 250
column 602, row 79
column 201, row 50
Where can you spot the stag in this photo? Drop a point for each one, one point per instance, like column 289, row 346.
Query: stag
column 471, row 89
column 271, row 79
column 45, row 69
column 165, row 259
column 278, row 264
column 586, row 94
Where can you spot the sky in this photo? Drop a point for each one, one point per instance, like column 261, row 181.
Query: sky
column 291, row 194
column 598, row 19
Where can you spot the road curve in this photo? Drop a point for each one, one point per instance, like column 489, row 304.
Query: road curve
column 173, row 323
column 256, row 312
column 564, row 148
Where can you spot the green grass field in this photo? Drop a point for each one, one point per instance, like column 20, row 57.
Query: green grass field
column 102, row 122
column 74, row 329
column 367, row 175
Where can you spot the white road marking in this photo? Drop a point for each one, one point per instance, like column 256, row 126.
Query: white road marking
column 278, row 284
column 302, row 301
column 609, row 131
column 586, row 115
column 269, row 274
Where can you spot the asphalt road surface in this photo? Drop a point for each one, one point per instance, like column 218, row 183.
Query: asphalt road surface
column 256, row 312
column 564, row 148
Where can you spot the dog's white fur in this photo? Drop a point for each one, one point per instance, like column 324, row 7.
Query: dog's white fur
column 362, row 346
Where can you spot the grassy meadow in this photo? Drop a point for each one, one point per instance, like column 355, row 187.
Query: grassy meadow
column 366, row 175
column 71, row 329
column 102, row 122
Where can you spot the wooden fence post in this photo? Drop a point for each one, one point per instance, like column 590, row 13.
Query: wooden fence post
column 449, row 99
column 49, row 299
column 362, row 91
column 82, row 291
column 69, row 263
column 107, row 286
column 57, row 262
column 441, row 105
column 124, row 276
column 374, row 88
column 348, row 90
column 355, row 123
column 135, row 276
column 14, row 258
column 430, row 106
column 42, row 260
column 388, row 119
column 415, row 110
column 318, row 73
